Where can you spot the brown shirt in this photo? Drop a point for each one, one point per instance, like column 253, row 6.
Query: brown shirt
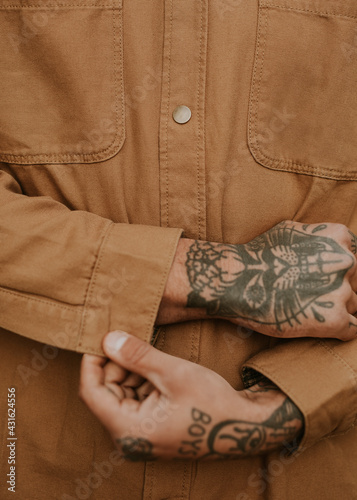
column 98, row 181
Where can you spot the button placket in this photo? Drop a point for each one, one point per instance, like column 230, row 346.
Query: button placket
column 182, row 147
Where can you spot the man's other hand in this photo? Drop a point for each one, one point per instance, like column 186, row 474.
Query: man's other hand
column 158, row 406
column 294, row 280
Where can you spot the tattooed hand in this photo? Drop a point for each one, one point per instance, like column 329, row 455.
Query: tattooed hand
column 152, row 409
column 295, row 280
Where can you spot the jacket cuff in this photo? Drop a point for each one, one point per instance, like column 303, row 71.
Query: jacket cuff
column 127, row 283
column 320, row 383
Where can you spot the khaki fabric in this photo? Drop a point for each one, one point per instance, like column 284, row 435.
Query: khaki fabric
column 98, row 183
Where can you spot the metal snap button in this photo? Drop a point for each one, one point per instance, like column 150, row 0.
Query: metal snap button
column 181, row 114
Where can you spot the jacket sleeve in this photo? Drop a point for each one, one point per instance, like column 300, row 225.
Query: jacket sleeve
column 319, row 376
column 67, row 277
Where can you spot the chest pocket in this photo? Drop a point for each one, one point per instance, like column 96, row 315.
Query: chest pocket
column 61, row 81
column 303, row 102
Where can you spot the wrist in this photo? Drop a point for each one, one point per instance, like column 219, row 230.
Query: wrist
column 173, row 307
column 200, row 273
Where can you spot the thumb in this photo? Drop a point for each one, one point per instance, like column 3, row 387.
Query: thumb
column 138, row 356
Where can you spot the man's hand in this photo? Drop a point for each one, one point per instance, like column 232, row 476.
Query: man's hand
column 157, row 406
column 295, row 280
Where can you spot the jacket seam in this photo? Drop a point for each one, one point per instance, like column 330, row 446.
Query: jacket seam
column 163, row 280
column 35, row 299
column 295, row 9
column 58, row 6
column 167, row 119
column 198, row 95
column 339, row 358
column 91, row 284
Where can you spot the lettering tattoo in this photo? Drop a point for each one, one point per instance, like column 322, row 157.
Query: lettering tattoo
column 277, row 279
column 135, row 449
column 197, row 431
column 237, row 438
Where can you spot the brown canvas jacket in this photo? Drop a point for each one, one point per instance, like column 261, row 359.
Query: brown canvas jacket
column 98, row 183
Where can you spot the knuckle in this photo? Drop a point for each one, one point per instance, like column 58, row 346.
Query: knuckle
column 341, row 228
column 347, row 336
column 337, row 326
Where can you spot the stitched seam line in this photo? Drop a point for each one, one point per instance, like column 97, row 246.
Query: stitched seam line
column 183, row 481
column 254, row 98
column 339, row 358
column 118, row 136
column 42, row 301
column 163, row 280
column 199, row 127
column 354, row 376
column 260, row 79
column 167, row 117
column 58, row 6
column 91, row 285
column 268, row 6
column 149, row 472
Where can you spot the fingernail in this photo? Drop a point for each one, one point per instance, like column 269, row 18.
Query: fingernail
column 114, row 341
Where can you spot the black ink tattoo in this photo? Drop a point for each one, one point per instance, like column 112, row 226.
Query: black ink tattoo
column 353, row 243
column 135, row 449
column 191, row 447
column 281, row 276
column 237, row 438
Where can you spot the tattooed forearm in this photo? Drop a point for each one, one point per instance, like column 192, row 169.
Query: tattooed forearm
column 277, row 280
column 135, row 449
column 238, row 438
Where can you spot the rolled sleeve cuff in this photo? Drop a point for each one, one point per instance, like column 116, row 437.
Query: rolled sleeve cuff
column 319, row 381
column 127, row 283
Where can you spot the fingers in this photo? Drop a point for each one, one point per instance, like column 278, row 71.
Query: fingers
column 144, row 390
column 114, row 375
column 139, row 357
column 130, row 385
column 353, row 278
column 352, row 304
column 102, row 402
column 352, row 333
